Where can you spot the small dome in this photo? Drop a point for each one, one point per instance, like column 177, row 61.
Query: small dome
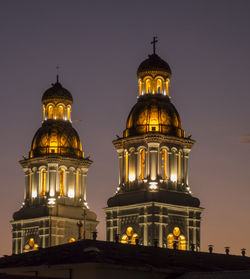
column 57, row 92
column 56, row 137
column 153, row 64
column 154, row 114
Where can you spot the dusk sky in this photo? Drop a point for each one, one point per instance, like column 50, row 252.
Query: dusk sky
column 99, row 46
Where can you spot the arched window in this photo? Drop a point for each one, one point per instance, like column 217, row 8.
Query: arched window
column 142, row 163
column 68, row 112
column 148, row 86
column 72, row 239
column 159, row 85
column 164, row 164
column 62, row 181
column 60, row 112
column 43, row 182
column 50, row 112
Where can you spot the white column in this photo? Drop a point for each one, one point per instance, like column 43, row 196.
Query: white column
column 121, row 165
column 52, row 179
column 84, row 175
column 26, row 190
column 186, row 151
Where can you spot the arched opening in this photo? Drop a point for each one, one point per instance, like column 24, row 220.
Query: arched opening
column 164, row 163
column 148, row 86
column 72, row 239
column 43, row 182
column 50, row 112
column 142, row 163
column 60, row 112
column 159, row 86
column 68, row 112
column 62, row 181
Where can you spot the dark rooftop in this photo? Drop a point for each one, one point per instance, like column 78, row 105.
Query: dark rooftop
column 90, row 251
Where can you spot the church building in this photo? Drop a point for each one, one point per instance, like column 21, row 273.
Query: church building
column 153, row 204
column 54, row 209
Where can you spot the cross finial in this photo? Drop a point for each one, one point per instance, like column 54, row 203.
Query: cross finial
column 57, row 73
column 155, row 40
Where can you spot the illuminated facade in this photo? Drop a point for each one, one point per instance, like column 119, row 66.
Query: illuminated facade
column 153, row 202
column 55, row 181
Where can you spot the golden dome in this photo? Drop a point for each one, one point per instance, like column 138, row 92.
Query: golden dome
column 56, row 137
column 154, row 114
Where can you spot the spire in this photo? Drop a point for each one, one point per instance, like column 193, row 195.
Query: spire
column 155, row 40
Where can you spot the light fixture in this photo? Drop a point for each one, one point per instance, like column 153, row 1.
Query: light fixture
column 71, row 193
column 132, row 177
column 173, row 177
column 153, row 185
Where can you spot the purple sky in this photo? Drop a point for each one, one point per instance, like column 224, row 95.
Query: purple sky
column 99, row 45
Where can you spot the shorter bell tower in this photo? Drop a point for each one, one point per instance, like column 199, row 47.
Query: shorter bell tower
column 54, row 209
column 153, row 202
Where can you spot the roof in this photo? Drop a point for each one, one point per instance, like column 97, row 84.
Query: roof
column 123, row 255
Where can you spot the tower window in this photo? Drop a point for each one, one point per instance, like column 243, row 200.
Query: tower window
column 62, row 181
column 142, row 163
column 164, row 164
column 68, row 112
column 60, row 112
column 50, row 112
column 43, row 180
column 159, row 85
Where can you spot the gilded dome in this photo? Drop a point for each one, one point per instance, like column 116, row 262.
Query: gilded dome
column 57, row 91
column 153, row 64
column 154, row 114
column 56, row 137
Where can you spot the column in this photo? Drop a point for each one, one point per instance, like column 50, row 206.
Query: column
column 179, row 167
column 186, row 151
column 84, row 175
column 26, row 190
column 52, row 179
column 121, row 166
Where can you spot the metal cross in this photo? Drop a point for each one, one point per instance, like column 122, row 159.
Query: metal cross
column 155, row 40
column 57, row 73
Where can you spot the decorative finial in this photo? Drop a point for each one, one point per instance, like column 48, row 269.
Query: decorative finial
column 57, row 73
column 155, row 40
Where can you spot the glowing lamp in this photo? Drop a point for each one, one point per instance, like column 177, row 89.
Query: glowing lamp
column 34, row 194
column 153, row 185
column 173, row 177
column 52, row 193
column 131, row 177
column 71, row 193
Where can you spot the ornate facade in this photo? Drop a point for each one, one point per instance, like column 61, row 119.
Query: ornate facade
column 54, row 210
column 153, row 203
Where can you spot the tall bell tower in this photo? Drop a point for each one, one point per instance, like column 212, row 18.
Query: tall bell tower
column 153, row 202
column 55, row 208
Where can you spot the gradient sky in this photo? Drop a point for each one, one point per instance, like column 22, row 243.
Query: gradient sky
column 99, row 45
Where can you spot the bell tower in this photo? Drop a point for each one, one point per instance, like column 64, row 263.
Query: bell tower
column 54, row 209
column 153, row 202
